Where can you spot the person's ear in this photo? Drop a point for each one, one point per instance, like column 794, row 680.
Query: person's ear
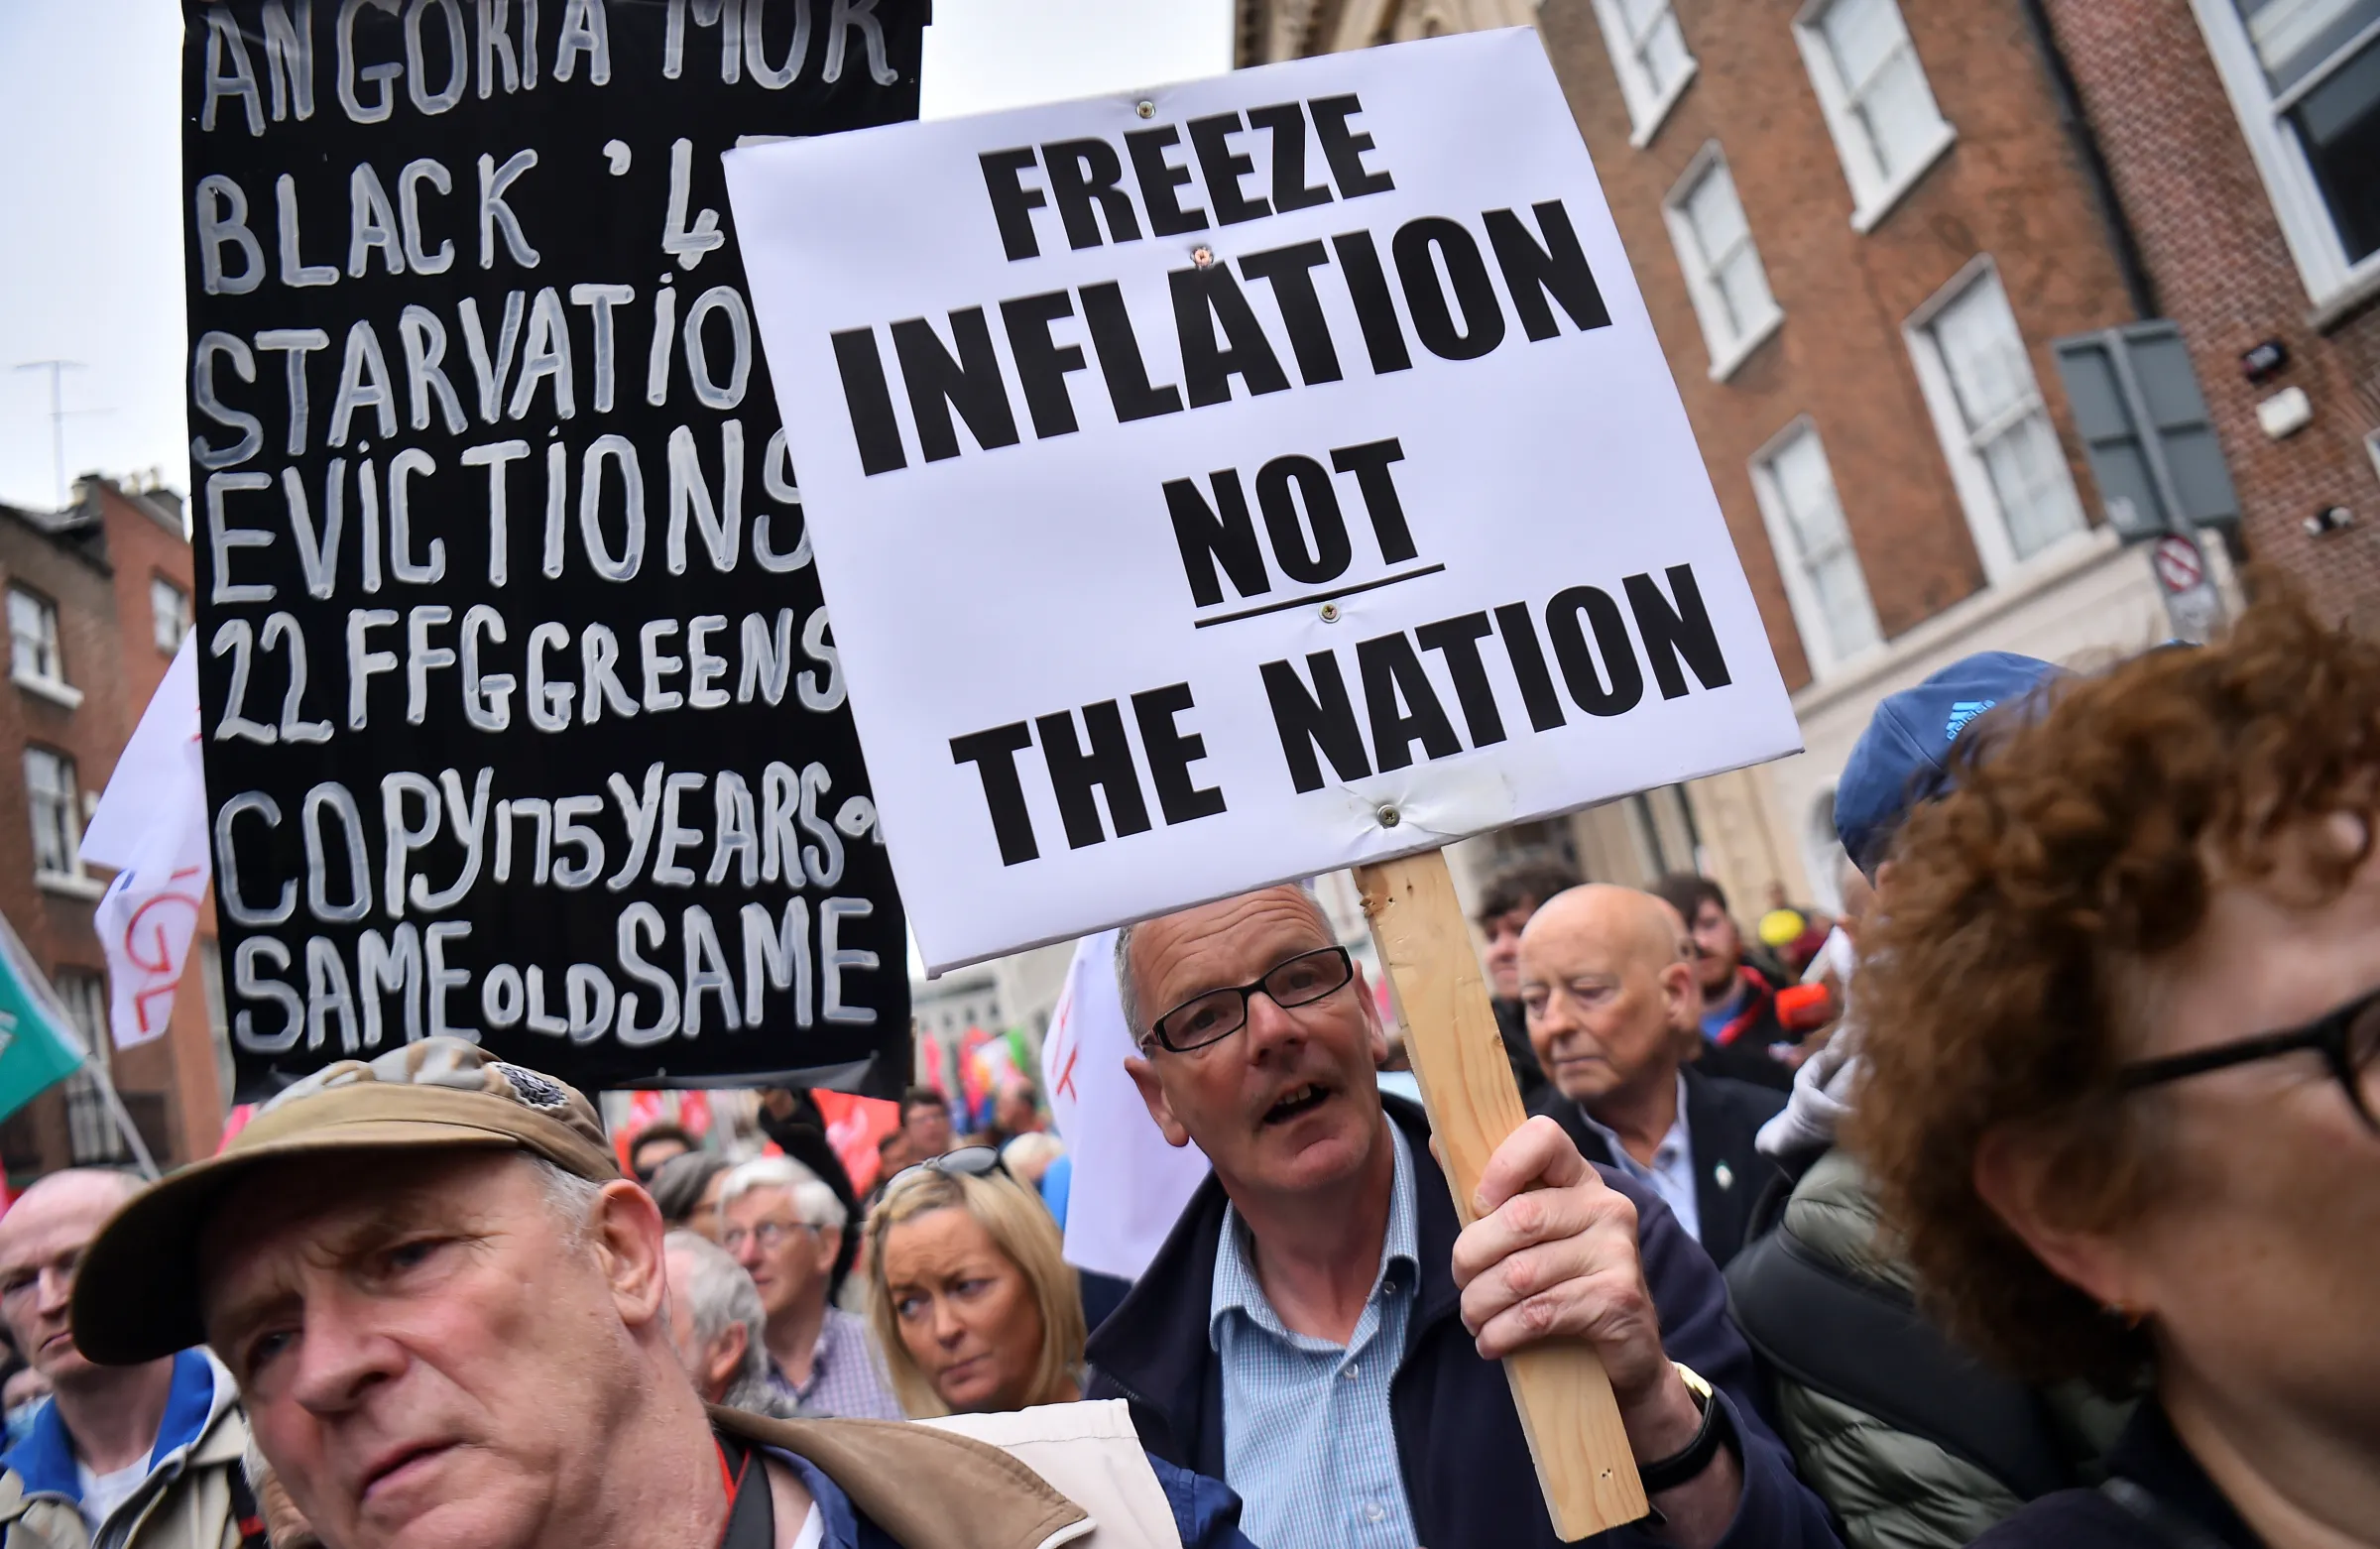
column 1152, row 1094
column 830, row 1243
column 1376, row 1030
column 1676, row 981
column 626, row 1228
column 725, row 1356
column 2014, row 1179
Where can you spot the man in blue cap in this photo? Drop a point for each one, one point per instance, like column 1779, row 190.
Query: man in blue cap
column 1906, row 1437
column 1904, row 756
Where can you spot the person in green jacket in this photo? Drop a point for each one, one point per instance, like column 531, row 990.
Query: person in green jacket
column 1911, row 1443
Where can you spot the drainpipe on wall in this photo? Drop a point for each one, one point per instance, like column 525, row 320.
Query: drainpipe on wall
column 2137, row 285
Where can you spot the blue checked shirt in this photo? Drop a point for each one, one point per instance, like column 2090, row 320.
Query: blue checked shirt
column 847, row 1380
column 1307, row 1440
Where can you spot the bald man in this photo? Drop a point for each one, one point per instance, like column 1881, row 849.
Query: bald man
column 1612, row 1008
column 141, row 1457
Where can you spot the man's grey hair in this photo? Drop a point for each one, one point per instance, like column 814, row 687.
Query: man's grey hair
column 719, row 1295
column 571, row 1197
column 813, row 1201
column 1126, row 991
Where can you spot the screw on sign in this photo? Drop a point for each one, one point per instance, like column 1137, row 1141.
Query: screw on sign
column 2178, row 564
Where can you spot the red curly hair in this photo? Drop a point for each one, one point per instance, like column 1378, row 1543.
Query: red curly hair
column 2082, row 840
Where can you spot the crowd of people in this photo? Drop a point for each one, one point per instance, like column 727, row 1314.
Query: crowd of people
column 2029, row 1199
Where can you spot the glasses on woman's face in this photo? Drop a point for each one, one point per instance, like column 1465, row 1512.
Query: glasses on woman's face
column 1217, row 1014
column 2347, row 1038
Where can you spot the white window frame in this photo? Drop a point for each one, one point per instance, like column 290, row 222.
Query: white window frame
column 1809, row 614
column 182, row 618
column 1727, row 352
column 75, row 881
column 1977, row 497
column 28, row 675
column 2332, row 282
column 1873, row 193
column 1647, row 107
column 92, row 1136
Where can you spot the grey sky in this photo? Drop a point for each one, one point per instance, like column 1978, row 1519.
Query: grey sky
column 91, row 247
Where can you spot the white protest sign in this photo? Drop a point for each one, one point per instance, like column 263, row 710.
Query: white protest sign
column 1238, row 480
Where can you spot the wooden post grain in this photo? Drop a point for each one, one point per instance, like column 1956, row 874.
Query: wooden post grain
column 1584, row 1462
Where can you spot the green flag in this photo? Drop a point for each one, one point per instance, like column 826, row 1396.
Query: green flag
column 39, row 1047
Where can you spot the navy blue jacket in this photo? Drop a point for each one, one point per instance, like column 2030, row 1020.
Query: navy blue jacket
column 1723, row 1117
column 1465, row 1461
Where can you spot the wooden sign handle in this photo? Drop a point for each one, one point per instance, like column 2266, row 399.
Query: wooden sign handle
column 1584, row 1462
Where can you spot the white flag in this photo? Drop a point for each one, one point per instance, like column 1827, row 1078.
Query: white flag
column 151, row 824
column 1129, row 1185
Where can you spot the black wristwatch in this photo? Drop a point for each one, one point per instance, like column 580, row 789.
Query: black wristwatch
column 1716, row 1430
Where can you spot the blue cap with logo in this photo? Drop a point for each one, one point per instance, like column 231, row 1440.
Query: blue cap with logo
column 1903, row 758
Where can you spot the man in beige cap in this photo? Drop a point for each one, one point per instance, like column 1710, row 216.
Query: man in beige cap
column 448, row 1314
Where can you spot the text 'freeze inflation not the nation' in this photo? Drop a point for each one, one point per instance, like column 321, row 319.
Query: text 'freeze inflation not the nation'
column 1240, row 479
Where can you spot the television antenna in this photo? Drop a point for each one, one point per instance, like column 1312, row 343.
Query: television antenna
column 57, row 415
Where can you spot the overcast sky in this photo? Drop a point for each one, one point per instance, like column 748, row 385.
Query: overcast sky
column 90, row 244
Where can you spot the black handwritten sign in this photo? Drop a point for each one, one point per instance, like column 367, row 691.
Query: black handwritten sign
column 524, row 719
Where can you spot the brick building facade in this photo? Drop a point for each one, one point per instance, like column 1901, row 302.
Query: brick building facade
column 97, row 596
column 2241, row 244
column 1860, row 226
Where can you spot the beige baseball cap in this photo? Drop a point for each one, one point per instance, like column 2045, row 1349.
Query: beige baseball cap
column 136, row 1294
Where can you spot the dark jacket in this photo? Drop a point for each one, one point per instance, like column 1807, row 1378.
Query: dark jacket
column 1741, row 1052
column 1723, row 1120
column 1512, row 1021
column 2156, row 1498
column 1463, row 1460
column 1913, row 1442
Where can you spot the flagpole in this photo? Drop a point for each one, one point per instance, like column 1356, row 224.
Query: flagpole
column 123, row 1117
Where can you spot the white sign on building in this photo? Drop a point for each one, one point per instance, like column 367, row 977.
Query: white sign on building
column 1241, row 480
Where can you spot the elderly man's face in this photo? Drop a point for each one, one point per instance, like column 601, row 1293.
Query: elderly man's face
column 789, row 1261
column 1604, row 990
column 1289, row 1102
column 431, row 1357
column 42, row 1240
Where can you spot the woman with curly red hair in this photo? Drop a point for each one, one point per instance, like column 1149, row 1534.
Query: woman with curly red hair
column 2123, row 1090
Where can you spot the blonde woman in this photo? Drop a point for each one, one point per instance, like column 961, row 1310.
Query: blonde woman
column 972, row 1303
column 978, row 1313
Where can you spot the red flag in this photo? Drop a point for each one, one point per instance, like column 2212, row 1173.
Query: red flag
column 855, row 1125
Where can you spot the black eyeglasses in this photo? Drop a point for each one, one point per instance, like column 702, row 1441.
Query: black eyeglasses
column 2347, row 1038
column 1217, row 1014
column 968, row 1162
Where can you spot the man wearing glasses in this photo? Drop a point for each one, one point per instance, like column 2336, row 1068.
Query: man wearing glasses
column 141, row 1457
column 785, row 1226
column 1318, row 1333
